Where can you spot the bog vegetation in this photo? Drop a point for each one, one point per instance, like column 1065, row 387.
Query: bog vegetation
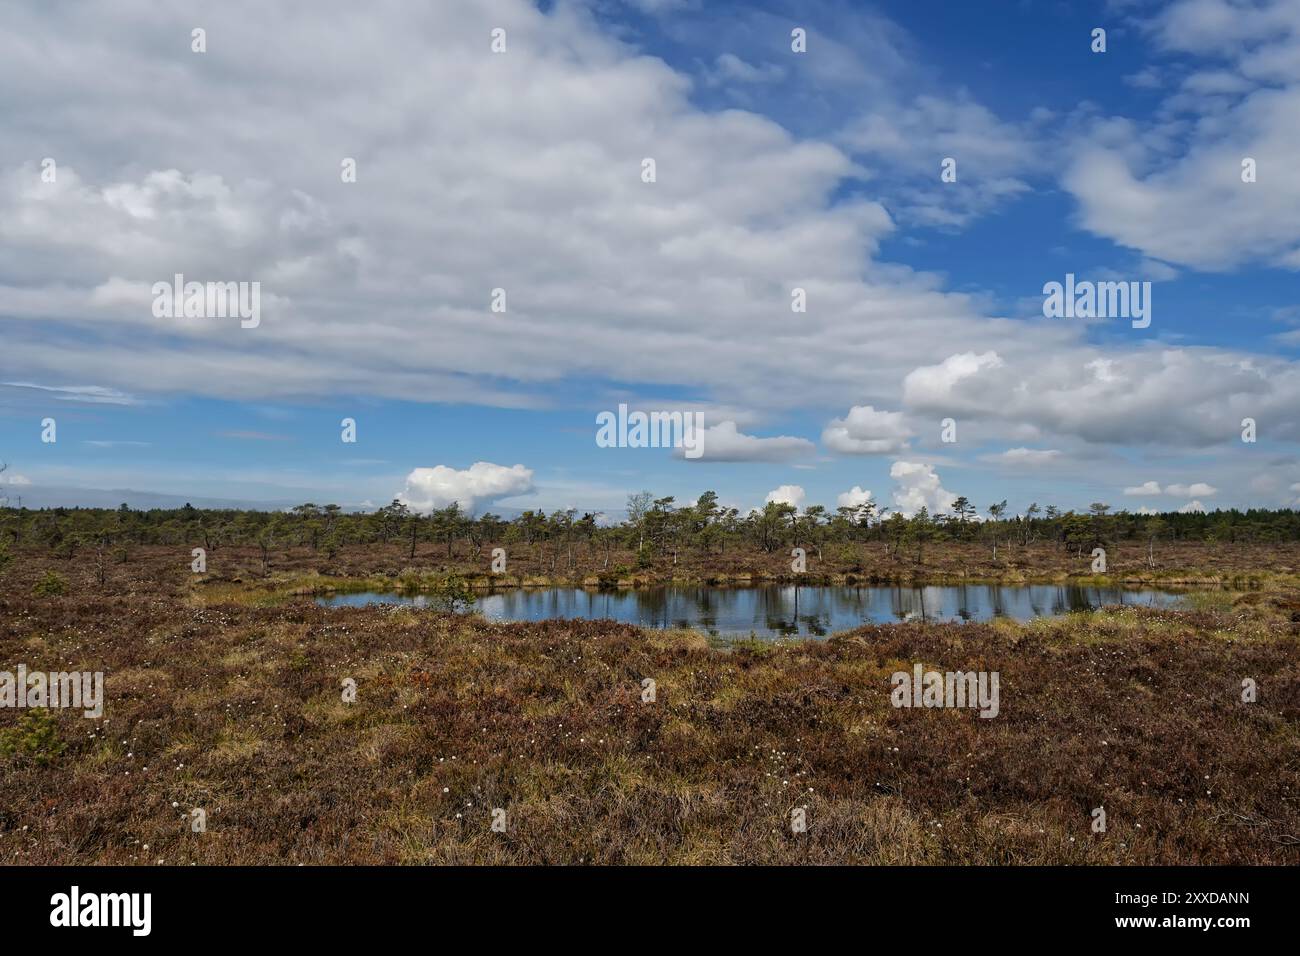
column 238, row 709
column 224, row 692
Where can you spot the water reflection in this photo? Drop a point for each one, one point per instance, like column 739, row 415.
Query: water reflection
column 787, row 610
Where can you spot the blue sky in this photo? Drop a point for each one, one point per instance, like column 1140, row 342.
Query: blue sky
column 521, row 169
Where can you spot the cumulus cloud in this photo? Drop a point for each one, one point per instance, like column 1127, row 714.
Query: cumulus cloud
column 724, row 442
column 918, row 487
column 1146, row 488
column 1192, row 507
column 1163, row 396
column 787, row 494
column 1149, row 488
column 1194, row 490
column 866, row 431
column 437, row 487
column 855, row 497
column 932, row 385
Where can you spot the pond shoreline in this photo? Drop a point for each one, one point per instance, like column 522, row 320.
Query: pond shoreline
column 308, row 587
column 1100, row 581
column 775, row 610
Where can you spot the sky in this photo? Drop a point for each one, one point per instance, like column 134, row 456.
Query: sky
column 446, row 210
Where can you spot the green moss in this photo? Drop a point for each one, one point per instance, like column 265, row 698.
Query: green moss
column 36, row 738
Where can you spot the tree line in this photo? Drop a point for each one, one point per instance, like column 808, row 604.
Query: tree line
column 653, row 528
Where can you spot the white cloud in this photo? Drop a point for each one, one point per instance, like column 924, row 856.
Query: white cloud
column 90, row 394
column 1146, row 488
column 1196, row 489
column 930, row 386
column 1222, row 27
column 1154, row 184
column 853, row 498
column 539, row 194
column 1029, row 457
column 724, row 442
column 866, row 431
column 788, row 494
column 1148, row 396
column 729, row 68
column 8, row 479
column 430, row 488
column 918, row 486
column 1147, row 78
column 912, row 137
column 1192, row 507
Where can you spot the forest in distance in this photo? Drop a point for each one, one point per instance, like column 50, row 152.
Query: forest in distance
column 653, row 527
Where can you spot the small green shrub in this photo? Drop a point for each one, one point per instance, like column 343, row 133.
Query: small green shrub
column 66, row 548
column 848, row 555
column 52, row 585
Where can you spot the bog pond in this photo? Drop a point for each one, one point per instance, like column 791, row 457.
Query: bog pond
column 785, row 610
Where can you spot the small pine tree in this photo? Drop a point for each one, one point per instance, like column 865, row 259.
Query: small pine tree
column 52, row 585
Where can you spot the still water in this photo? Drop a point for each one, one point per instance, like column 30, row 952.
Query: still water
column 784, row 610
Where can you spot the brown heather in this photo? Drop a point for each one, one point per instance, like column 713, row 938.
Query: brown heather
column 1188, row 563
column 221, row 698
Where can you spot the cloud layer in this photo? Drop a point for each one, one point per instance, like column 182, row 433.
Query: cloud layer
column 521, row 172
